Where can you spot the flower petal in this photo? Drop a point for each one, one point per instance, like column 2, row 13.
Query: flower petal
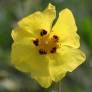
column 26, row 58
column 19, row 33
column 44, row 81
column 66, row 28
column 38, row 21
column 66, row 59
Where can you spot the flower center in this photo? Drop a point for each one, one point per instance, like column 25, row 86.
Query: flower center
column 45, row 43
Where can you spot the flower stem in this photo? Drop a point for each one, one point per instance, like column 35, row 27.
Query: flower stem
column 56, row 87
column 59, row 86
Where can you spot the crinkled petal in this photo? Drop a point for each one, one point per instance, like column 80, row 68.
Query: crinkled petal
column 44, row 81
column 38, row 21
column 66, row 59
column 56, row 70
column 19, row 33
column 70, row 39
column 66, row 28
column 26, row 58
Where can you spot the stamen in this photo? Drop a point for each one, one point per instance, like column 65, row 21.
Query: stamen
column 46, row 44
column 53, row 50
column 36, row 42
column 44, row 32
column 42, row 52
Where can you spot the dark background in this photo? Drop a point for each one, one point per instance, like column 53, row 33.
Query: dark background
column 12, row 80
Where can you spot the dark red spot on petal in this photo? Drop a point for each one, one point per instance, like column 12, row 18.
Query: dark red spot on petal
column 42, row 52
column 36, row 42
column 53, row 50
column 43, row 32
column 55, row 37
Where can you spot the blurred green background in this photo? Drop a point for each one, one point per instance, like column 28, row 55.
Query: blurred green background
column 12, row 80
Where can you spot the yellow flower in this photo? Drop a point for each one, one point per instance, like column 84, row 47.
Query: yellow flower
column 47, row 52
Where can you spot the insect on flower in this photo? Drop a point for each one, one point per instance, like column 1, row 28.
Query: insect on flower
column 46, row 52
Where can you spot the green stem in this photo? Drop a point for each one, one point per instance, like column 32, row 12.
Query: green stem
column 56, row 87
column 59, row 86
